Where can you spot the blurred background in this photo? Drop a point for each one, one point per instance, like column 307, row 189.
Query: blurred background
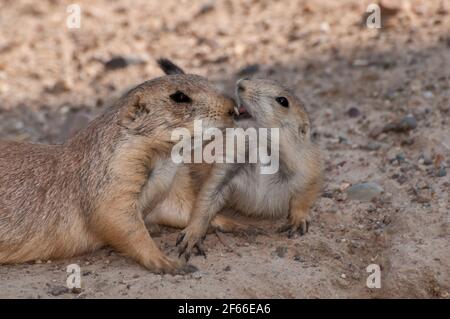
column 378, row 99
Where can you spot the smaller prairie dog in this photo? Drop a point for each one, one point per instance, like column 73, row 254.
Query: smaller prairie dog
column 62, row 200
column 290, row 192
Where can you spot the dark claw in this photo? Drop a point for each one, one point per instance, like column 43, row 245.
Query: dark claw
column 200, row 250
column 182, row 250
column 301, row 230
column 187, row 256
column 284, row 228
column 292, row 230
column 291, row 233
column 180, row 238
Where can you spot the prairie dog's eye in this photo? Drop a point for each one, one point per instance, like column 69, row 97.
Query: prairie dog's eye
column 282, row 101
column 180, row 97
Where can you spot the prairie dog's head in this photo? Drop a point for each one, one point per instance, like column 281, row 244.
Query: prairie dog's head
column 175, row 101
column 264, row 103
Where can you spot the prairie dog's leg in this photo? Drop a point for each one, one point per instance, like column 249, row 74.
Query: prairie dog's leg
column 209, row 202
column 171, row 215
column 175, row 209
column 299, row 207
column 120, row 225
column 228, row 224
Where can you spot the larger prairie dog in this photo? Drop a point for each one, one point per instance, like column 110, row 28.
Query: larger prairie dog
column 95, row 189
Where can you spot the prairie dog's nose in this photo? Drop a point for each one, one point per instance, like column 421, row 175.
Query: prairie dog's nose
column 241, row 84
column 230, row 105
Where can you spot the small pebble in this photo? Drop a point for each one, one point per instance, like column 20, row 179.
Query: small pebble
column 353, row 112
column 281, row 251
column 58, row 290
column 427, row 161
column 76, row 290
column 364, row 191
column 405, row 124
column 428, row 94
column 400, row 157
column 441, row 172
column 197, row 275
column 189, row 269
column 120, row 62
column 248, row 70
column 372, row 146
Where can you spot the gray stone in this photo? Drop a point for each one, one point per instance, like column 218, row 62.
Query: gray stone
column 441, row 172
column 189, row 269
column 248, row 70
column 364, row 191
column 400, row 157
column 405, row 124
column 299, row 258
column 197, row 275
column 281, row 251
column 353, row 112
column 120, row 62
column 427, row 160
column 58, row 290
column 372, row 146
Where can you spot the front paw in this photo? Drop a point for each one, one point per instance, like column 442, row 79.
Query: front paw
column 187, row 240
column 296, row 226
column 162, row 264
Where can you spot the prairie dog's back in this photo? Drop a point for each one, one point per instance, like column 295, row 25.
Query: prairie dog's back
column 25, row 171
column 28, row 184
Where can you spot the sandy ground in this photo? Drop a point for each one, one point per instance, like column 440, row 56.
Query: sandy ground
column 354, row 80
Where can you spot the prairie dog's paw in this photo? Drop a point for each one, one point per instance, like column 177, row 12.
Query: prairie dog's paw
column 188, row 239
column 296, row 226
column 163, row 265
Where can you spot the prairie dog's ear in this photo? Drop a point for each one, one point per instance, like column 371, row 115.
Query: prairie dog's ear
column 133, row 108
column 169, row 67
column 303, row 130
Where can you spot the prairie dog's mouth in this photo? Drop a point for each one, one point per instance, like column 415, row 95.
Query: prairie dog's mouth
column 241, row 111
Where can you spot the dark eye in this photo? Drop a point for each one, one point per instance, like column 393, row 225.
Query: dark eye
column 180, row 97
column 282, row 101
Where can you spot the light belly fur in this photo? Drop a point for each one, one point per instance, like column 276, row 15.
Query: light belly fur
column 257, row 195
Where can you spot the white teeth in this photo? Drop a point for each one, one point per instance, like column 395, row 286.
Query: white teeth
column 236, row 110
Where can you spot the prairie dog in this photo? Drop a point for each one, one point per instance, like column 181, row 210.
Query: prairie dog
column 62, row 200
column 289, row 192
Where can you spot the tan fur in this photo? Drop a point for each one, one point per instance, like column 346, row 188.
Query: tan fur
column 95, row 189
column 240, row 187
column 175, row 210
